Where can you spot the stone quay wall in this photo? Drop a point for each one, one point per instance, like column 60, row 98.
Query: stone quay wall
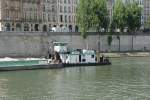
column 36, row 44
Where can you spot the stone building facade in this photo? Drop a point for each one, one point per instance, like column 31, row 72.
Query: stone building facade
column 37, row 15
column 10, row 15
column 44, row 15
column 67, row 14
column 146, row 10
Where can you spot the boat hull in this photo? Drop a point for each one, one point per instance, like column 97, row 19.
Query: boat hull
column 50, row 66
column 85, row 64
column 32, row 67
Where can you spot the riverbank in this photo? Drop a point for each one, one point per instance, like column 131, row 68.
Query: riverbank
column 36, row 44
column 127, row 54
column 110, row 55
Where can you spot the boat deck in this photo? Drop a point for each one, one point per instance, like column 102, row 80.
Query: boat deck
column 10, row 66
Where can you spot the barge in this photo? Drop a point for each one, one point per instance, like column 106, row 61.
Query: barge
column 60, row 58
column 42, row 64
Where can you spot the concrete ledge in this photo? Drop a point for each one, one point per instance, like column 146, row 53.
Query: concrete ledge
column 133, row 54
column 68, row 33
column 22, row 33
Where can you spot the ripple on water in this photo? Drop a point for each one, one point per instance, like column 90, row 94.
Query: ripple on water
column 125, row 79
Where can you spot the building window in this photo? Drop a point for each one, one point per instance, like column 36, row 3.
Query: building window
column 44, row 8
column 69, row 9
column 65, row 18
column 60, row 1
column 61, row 9
column 18, row 27
column 65, row 9
column 76, row 29
column 53, row 1
column 70, row 28
column 36, row 27
column 35, row 16
column 44, row 28
column 69, row 19
column 61, row 18
column 53, row 8
column 7, row 14
column 65, row 1
column 54, row 18
column 30, row 17
column 25, row 16
column 44, row 17
column 7, row 27
column 49, row 17
column 26, row 27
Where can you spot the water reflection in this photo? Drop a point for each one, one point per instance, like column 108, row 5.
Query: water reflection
column 126, row 79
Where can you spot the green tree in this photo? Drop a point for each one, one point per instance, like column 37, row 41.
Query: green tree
column 133, row 17
column 119, row 15
column 100, row 15
column 84, row 17
column 92, row 15
column 119, row 18
column 100, row 18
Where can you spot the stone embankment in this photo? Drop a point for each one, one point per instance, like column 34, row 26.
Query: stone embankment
column 37, row 44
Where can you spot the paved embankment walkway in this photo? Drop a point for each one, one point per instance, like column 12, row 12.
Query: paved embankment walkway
column 133, row 54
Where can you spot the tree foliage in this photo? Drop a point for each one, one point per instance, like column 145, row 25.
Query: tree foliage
column 95, row 15
column 126, row 14
column 84, row 17
column 133, row 16
column 92, row 15
column 100, row 15
column 119, row 15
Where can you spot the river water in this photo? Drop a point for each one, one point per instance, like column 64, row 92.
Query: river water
column 125, row 79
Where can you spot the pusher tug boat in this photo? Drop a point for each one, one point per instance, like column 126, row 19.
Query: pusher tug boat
column 61, row 57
